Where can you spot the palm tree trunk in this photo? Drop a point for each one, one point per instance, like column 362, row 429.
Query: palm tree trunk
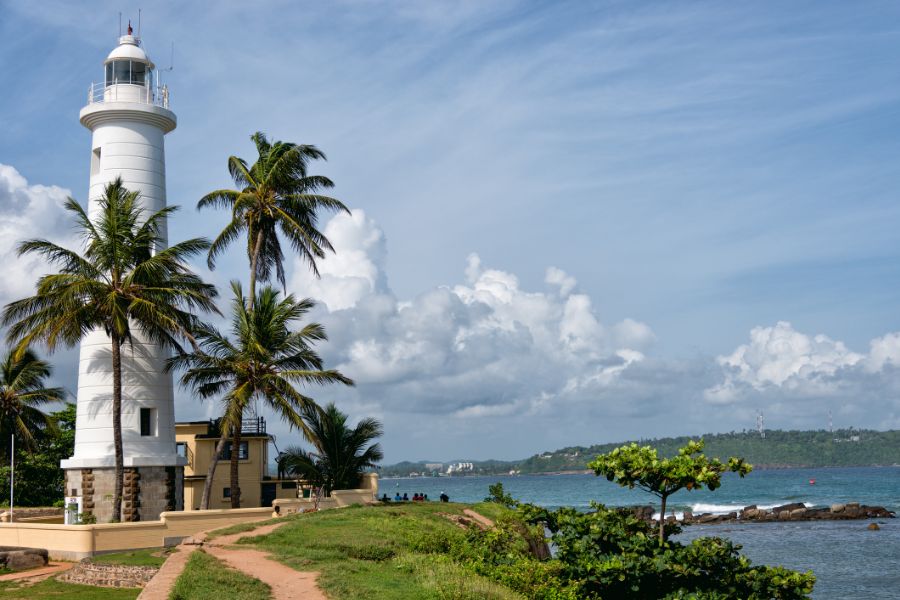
column 254, row 260
column 117, row 425
column 211, row 471
column 235, row 484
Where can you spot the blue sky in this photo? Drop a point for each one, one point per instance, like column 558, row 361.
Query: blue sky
column 698, row 171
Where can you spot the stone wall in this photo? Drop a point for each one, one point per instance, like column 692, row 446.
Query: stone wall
column 147, row 491
column 107, row 575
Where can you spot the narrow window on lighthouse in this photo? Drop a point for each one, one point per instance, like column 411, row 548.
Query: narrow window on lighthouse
column 95, row 162
column 148, row 424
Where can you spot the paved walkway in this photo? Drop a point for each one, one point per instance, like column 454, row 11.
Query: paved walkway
column 52, row 568
column 286, row 583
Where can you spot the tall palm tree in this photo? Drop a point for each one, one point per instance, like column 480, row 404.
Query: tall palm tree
column 274, row 194
column 340, row 453
column 124, row 281
column 265, row 359
column 22, row 394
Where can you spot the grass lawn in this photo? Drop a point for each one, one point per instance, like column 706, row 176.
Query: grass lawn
column 57, row 590
column 380, row 552
column 206, row 578
column 151, row 557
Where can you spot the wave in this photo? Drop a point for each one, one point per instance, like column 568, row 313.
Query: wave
column 721, row 509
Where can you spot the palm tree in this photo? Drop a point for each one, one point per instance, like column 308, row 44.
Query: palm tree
column 340, row 453
column 22, row 394
column 124, row 281
column 275, row 194
column 265, row 360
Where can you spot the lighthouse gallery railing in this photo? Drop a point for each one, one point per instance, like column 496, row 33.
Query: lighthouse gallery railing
column 128, row 92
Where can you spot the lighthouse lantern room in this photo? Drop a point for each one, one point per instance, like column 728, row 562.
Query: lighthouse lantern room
column 128, row 115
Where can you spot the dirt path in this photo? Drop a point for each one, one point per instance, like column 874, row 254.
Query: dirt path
column 39, row 574
column 483, row 520
column 286, row 583
column 162, row 583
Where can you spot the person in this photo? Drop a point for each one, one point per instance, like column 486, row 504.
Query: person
column 405, row 497
column 397, row 497
column 424, row 497
column 385, row 498
column 416, row 497
column 445, row 497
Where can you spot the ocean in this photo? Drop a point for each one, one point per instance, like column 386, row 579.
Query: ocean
column 849, row 560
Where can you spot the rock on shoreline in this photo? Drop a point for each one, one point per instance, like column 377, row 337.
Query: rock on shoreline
column 795, row 511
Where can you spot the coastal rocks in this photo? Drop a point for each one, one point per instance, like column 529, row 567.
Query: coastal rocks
column 796, row 511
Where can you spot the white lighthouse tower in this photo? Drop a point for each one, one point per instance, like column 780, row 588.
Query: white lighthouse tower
column 128, row 115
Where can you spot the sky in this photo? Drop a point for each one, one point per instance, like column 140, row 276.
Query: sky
column 572, row 223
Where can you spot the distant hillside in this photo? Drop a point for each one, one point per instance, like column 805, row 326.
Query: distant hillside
column 779, row 449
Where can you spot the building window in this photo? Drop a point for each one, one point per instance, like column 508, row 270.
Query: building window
column 181, row 449
column 243, row 451
column 148, row 421
column 289, row 485
column 95, row 162
column 226, row 492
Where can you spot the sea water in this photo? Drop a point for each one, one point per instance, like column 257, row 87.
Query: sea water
column 849, row 560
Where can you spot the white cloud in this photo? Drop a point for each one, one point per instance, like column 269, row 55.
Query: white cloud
column 29, row 211
column 484, row 347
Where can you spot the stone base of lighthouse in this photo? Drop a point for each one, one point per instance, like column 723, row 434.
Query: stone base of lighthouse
column 147, row 491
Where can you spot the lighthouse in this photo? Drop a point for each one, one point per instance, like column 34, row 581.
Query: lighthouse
column 128, row 116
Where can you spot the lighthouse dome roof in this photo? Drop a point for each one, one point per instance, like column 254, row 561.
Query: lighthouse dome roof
column 128, row 49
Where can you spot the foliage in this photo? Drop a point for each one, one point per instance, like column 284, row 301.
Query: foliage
column 125, row 280
column 690, row 469
column 39, row 480
column 613, row 554
column 206, row 578
column 276, row 193
column 340, row 453
column 22, row 395
column 265, row 359
column 496, row 494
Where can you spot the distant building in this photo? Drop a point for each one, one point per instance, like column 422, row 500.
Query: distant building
column 434, row 467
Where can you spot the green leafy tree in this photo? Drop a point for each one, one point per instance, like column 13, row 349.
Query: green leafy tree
column 341, row 453
column 23, row 394
column 126, row 281
column 264, row 359
column 497, row 494
column 640, row 466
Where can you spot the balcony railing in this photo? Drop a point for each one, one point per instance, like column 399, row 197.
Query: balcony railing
column 128, row 92
column 254, row 426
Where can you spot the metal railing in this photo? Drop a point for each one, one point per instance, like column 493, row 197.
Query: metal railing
column 128, row 92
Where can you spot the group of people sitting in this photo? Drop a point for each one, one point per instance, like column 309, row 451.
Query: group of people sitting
column 416, row 498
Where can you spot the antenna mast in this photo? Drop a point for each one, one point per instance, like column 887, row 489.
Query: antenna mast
column 139, row 24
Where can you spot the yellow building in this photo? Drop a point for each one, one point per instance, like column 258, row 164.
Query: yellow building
column 196, row 441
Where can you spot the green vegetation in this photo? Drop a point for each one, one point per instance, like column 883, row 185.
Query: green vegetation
column 151, row 557
column 779, row 449
column 640, row 466
column 58, row 590
column 205, row 578
column 419, row 551
column 125, row 278
column 386, row 552
column 341, row 453
column 22, row 395
column 39, row 480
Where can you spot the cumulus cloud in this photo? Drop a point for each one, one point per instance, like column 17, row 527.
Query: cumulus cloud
column 29, row 211
column 484, row 346
column 792, row 372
